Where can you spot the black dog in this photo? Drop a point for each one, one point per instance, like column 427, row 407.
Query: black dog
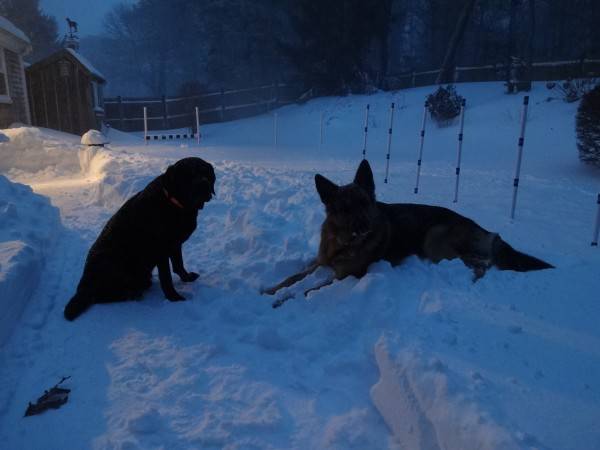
column 358, row 230
column 145, row 233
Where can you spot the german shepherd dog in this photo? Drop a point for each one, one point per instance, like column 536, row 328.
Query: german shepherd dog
column 358, row 230
column 146, row 232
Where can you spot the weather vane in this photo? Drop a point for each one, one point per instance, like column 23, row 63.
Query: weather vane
column 71, row 39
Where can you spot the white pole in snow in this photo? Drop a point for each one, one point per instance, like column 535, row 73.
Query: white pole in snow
column 519, row 156
column 389, row 146
column 321, row 131
column 197, row 126
column 597, row 229
column 145, row 125
column 421, row 148
column 275, row 130
column 366, row 130
column 459, row 151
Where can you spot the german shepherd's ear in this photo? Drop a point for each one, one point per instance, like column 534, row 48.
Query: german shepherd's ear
column 326, row 189
column 364, row 178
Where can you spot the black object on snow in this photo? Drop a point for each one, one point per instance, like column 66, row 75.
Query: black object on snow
column 52, row 399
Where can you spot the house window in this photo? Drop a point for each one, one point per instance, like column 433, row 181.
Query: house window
column 4, row 95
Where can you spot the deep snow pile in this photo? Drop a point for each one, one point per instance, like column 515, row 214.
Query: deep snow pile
column 28, row 227
column 415, row 356
column 45, row 153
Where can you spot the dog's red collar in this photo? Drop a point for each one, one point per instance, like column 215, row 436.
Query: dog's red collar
column 172, row 199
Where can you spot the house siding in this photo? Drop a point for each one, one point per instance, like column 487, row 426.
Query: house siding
column 17, row 110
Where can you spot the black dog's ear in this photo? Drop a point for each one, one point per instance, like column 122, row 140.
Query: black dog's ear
column 364, row 178
column 169, row 178
column 326, row 189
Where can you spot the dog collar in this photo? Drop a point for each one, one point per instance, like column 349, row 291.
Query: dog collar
column 172, row 199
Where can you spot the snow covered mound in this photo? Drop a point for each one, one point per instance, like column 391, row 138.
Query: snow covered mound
column 28, row 227
column 38, row 150
column 93, row 137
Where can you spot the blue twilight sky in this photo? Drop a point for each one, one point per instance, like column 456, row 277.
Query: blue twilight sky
column 89, row 14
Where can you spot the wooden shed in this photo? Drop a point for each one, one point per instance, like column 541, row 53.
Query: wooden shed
column 14, row 44
column 66, row 93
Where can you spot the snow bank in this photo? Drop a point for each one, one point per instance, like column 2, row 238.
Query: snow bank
column 28, row 227
column 35, row 150
column 416, row 400
column 47, row 159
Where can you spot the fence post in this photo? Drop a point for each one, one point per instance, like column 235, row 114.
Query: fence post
column 459, row 151
column 419, row 161
column 597, row 229
column 222, row 104
column 389, row 146
column 413, row 79
column 165, row 113
column 197, row 125
column 121, row 113
column 145, row 125
column 364, row 152
column 519, row 156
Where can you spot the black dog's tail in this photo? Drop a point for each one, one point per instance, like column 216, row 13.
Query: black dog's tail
column 507, row 258
column 77, row 306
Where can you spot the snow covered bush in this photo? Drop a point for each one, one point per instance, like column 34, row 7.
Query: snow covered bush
column 572, row 90
column 588, row 127
column 444, row 104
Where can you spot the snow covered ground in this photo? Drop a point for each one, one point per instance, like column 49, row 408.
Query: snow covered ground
column 412, row 357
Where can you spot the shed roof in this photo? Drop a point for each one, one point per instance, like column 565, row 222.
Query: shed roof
column 73, row 56
column 84, row 62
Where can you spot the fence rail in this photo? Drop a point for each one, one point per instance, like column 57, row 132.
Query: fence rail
column 540, row 71
column 126, row 113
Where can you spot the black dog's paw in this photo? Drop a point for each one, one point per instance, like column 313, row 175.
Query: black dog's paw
column 188, row 277
column 175, row 297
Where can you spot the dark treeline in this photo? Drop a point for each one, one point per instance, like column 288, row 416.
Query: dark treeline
column 41, row 29
column 172, row 47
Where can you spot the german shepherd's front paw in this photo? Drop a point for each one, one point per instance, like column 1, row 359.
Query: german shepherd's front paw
column 268, row 291
column 188, row 277
column 175, row 297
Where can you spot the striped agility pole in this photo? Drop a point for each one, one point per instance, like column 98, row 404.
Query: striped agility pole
column 419, row 161
column 519, row 156
column 597, row 228
column 389, row 145
column 459, row 149
column 366, row 129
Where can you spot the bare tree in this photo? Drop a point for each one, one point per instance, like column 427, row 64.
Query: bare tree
column 447, row 69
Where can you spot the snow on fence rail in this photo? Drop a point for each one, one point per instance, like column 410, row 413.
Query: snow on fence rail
column 163, row 113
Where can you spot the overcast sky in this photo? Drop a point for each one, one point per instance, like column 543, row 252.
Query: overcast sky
column 89, row 14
